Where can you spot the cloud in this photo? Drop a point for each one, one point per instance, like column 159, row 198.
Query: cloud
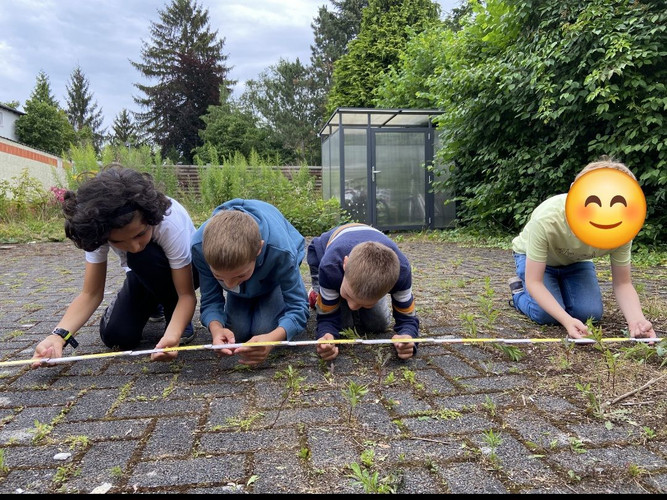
column 103, row 36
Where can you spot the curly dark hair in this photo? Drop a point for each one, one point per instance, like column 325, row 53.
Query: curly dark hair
column 109, row 201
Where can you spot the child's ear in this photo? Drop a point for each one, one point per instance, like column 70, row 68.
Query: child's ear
column 344, row 262
column 261, row 245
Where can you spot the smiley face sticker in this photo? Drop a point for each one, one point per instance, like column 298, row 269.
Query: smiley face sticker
column 605, row 208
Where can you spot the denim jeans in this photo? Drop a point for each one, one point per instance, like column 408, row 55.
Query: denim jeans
column 247, row 317
column 574, row 286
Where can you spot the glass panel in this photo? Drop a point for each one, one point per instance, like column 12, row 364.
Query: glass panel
column 444, row 214
column 334, row 166
column 356, row 173
column 326, row 169
column 401, row 178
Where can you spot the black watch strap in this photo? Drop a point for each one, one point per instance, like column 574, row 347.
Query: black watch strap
column 66, row 336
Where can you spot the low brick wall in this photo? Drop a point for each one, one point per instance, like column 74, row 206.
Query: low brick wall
column 16, row 157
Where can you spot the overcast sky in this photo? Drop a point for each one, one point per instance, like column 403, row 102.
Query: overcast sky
column 103, row 36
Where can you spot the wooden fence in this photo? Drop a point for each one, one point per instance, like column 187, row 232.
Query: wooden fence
column 188, row 176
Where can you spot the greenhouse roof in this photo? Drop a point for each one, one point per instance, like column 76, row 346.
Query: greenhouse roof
column 378, row 118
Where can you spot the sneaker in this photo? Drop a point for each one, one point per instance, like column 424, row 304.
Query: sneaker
column 516, row 286
column 189, row 334
column 312, row 298
column 157, row 315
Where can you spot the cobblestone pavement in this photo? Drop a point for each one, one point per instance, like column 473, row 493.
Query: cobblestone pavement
column 458, row 418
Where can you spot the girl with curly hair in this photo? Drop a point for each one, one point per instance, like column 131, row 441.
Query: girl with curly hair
column 121, row 209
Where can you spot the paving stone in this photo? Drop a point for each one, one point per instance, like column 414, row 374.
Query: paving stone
column 437, row 426
column 193, row 471
column 454, row 367
column 104, row 462
column 29, row 481
column 36, row 397
column 35, row 456
column 93, row 404
column 221, row 410
column 157, row 408
column 503, row 382
column 330, row 447
column 28, row 424
column 101, row 429
column 171, row 437
column 470, row 478
column 280, row 474
column 244, row 441
column 613, row 459
column 533, row 428
column 599, row 435
column 419, row 451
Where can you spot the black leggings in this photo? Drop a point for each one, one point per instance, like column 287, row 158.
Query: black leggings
column 147, row 284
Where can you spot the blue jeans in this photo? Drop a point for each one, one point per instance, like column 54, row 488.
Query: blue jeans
column 574, row 286
column 254, row 316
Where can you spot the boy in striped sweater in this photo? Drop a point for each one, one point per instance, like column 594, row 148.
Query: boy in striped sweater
column 360, row 279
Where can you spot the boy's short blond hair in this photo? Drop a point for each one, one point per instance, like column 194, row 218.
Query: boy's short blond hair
column 231, row 240
column 371, row 270
column 606, row 162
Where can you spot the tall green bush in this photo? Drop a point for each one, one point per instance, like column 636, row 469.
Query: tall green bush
column 533, row 91
column 297, row 199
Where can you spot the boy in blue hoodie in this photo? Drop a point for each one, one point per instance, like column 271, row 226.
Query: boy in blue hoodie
column 248, row 256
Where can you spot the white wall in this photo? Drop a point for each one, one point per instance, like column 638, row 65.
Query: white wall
column 15, row 157
column 8, row 123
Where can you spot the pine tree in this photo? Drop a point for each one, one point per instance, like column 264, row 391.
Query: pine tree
column 81, row 111
column 381, row 39
column 124, row 130
column 332, row 32
column 187, row 63
column 42, row 91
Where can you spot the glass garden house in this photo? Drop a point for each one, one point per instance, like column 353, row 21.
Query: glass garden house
column 375, row 162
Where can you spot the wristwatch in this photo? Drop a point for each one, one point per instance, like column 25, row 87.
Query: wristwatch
column 66, row 336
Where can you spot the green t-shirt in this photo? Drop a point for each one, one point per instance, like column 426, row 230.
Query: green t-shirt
column 547, row 237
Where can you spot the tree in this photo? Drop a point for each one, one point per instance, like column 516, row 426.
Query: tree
column 44, row 125
column 382, row 36
column 124, row 130
column 82, row 112
column 42, row 91
column 531, row 93
column 231, row 129
column 283, row 98
column 12, row 104
column 187, row 62
column 332, row 31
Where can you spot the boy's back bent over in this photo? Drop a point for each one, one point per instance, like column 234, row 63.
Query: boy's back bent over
column 353, row 267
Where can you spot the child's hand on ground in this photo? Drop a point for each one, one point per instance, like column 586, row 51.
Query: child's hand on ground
column 327, row 351
column 50, row 347
column 252, row 356
column 641, row 329
column 576, row 329
column 223, row 336
column 405, row 350
column 165, row 341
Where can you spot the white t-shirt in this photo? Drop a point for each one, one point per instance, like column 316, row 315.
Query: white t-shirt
column 173, row 235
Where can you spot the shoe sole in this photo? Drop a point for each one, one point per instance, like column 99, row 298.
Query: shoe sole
column 188, row 340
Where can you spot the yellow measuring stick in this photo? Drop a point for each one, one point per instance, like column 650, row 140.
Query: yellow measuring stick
column 295, row 343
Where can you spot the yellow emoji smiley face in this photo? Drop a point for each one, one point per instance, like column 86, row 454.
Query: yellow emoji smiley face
column 605, row 208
